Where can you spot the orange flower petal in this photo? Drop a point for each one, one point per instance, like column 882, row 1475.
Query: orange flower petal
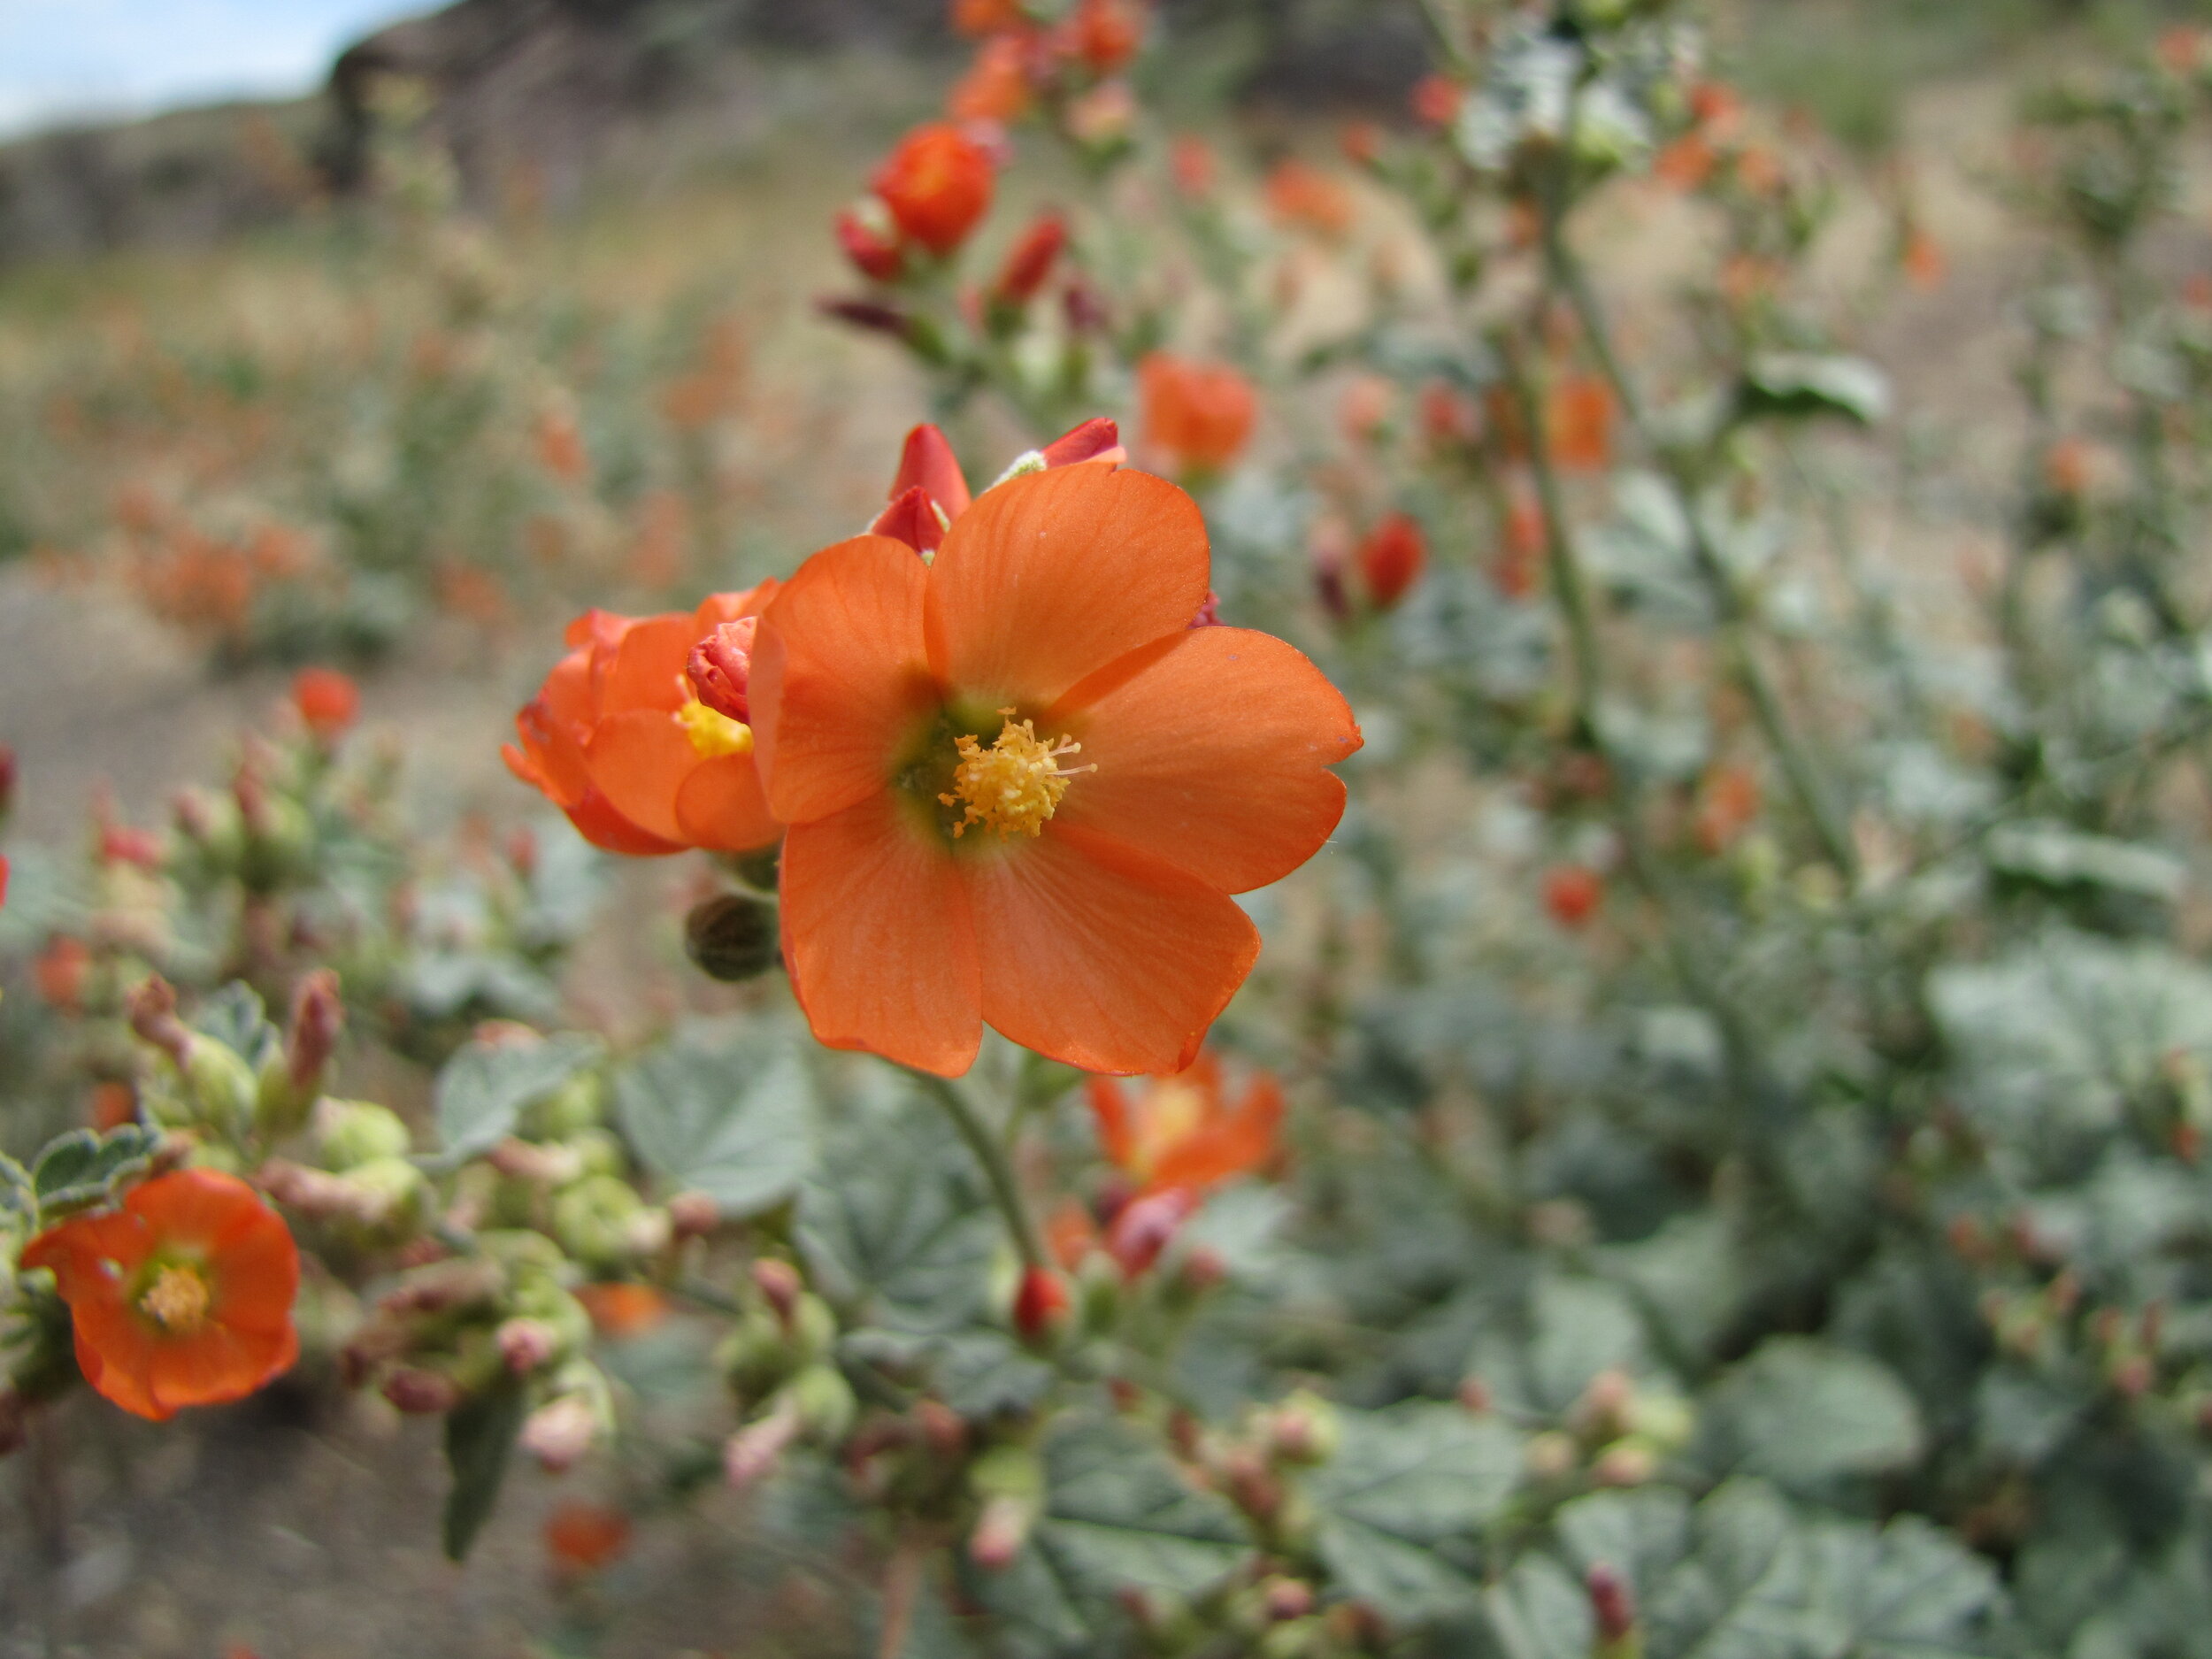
column 218, row 1364
column 1211, row 754
column 1101, row 955
column 1117, row 1135
column 722, row 807
column 840, row 677
column 877, row 932
column 1051, row 576
column 647, row 669
column 1230, row 1143
column 639, row 759
column 117, row 1363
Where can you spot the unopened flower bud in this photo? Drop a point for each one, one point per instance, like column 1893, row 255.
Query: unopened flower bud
column 1551, row 1455
column 720, row 669
column 559, row 1432
column 527, row 1345
column 944, row 1430
column 825, row 1402
column 349, row 1133
column 1303, row 1430
column 1612, row 1602
column 1475, row 1397
column 318, row 1016
column 694, row 1215
column 1000, row 1533
column 1031, row 262
column 1285, row 1598
column 1627, row 1463
column 757, row 1448
column 1041, row 1304
column 779, row 1285
column 153, row 1015
column 733, row 938
column 422, row 1393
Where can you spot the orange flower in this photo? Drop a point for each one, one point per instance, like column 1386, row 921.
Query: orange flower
column 938, row 184
column 1572, row 893
column 59, row 972
column 182, row 1297
column 1191, row 161
column 1921, row 257
column 1728, row 801
column 1684, row 163
column 327, row 701
column 975, row 18
column 1579, row 422
column 1200, row 414
column 1300, row 195
column 1103, row 34
column 996, row 87
column 870, row 240
column 1391, row 558
column 1362, row 143
column 618, row 1311
column 1436, row 100
column 111, row 1106
column 623, row 740
column 585, row 1537
column 1021, row 787
column 1183, row 1133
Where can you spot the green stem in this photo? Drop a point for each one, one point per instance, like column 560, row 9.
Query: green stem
column 998, row 1170
column 1740, row 652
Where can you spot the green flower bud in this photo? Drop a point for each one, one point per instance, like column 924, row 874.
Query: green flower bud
column 594, row 1220
column 813, row 1328
column 220, row 1088
column 397, row 1190
column 756, row 1357
column 826, row 1404
column 349, row 1133
column 576, row 1106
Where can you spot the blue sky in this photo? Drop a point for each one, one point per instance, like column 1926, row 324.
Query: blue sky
column 60, row 59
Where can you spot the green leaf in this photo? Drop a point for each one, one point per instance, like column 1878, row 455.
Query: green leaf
column 483, row 1088
column 80, row 1168
column 729, row 1119
column 893, row 1221
column 1910, row 1592
column 2054, row 855
column 1540, row 1612
column 1403, row 1483
column 18, row 1196
column 1743, row 1592
column 1795, row 385
column 237, row 1017
column 1582, row 1326
column 1642, row 1535
column 479, row 1436
column 1805, row 1412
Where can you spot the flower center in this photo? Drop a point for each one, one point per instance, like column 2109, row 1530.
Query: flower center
column 1174, row 1112
column 1015, row 785
column 712, row 732
column 177, row 1300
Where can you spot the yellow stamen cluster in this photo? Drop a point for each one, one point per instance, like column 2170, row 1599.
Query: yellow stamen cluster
column 177, row 1301
column 1015, row 785
column 712, row 732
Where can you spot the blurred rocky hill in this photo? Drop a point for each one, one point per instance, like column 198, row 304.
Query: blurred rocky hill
column 535, row 92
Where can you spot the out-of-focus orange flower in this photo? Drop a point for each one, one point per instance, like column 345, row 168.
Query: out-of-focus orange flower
column 1746, row 277
column 659, row 552
column 561, row 447
column 1922, row 258
column 1199, row 414
column 111, row 1105
column 328, row 701
column 1300, row 196
column 1031, row 261
column 1572, row 893
column 620, row 740
column 1436, row 100
column 978, row 17
column 870, row 237
column 1362, row 143
column 937, row 184
column 1449, row 419
column 1391, row 559
column 1727, row 802
column 2181, row 49
column 582, row 1538
column 472, row 591
column 1070, row 1234
column 1759, row 170
column 2067, row 467
column 1715, row 107
column 1191, row 163
column 1684, row 163
column 181, row 1297
column 1363, row 407
column 1183, row 1132
column 1103, row 34
column 1103, row 115
column 59, row 972
column 1021, row 787
column 1521, row 556
column 620, row 1311
column 998, row 86
column 1579, row 419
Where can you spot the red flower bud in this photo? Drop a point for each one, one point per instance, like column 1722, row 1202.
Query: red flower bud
column 422, row 1393
column 937, row 184
column 1436, row 100
column 720, row 668
column 527, row 1345
column 871, row 316
column 152, row 1007
column 1098, row 439
column 318, row 1016
column 926, row 462
column 913, row 519
column 779, row 1284
column 1041, row 1304
column 1031, row 261
column 1611, row 1602
column 870, row 240
column 1572, row 893
column 7, row 780
column 1391, row 559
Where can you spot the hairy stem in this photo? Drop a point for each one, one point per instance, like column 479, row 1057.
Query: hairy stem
column 998, row 1169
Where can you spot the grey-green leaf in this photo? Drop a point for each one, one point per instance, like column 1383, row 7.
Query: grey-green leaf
column 731, row 1120
column 484, row 1088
